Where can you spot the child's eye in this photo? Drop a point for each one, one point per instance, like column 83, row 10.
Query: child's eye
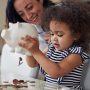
column 51, row 33
column 60, row 34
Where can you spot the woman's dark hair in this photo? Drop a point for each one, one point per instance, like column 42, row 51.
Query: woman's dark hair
column 12, row 15
column 74, row 14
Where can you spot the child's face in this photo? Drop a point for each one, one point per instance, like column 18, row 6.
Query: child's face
column 61, row 36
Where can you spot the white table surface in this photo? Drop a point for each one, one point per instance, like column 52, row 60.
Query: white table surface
column 35, row 84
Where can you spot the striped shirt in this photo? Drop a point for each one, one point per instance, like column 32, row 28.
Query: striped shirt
column 73, row 78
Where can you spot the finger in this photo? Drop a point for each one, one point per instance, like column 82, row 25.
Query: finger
column 27, row 38
column 26, row 45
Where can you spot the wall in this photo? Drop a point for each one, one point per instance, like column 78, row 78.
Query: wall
column 2, row 13
column 2, row 19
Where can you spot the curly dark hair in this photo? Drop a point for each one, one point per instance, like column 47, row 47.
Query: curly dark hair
column 76, row 15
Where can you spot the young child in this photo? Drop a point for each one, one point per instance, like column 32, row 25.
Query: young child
column 65, row 57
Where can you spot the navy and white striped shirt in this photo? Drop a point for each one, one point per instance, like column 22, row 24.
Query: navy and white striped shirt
column 73, row 78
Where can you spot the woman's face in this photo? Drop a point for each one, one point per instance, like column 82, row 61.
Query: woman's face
column 29, row 10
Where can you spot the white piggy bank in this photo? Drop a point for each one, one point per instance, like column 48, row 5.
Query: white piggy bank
column 13, row 34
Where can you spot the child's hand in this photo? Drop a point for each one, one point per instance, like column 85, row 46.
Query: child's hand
column 30, row 44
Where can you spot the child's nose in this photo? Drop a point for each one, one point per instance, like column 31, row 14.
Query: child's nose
column 55, row 37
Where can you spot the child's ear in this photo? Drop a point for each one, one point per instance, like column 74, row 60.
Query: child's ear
column 77, row 36
column 41, row 1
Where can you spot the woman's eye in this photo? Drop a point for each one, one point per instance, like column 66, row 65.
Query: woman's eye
column 30, row 7
column 21, row 14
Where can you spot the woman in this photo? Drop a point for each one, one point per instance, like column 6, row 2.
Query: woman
column 30, row 11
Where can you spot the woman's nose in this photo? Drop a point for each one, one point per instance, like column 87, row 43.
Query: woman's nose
column 28, row 15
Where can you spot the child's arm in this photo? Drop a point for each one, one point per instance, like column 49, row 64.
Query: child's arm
column 31, row 60
column 58, row 69
column 55, row 70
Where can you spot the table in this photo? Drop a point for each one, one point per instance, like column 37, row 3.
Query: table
column 34, row 84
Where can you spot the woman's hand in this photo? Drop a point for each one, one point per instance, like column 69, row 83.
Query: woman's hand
column 47, row 37
column 29, row 43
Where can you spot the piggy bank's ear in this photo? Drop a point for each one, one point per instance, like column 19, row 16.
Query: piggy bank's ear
column 19, row 24
column 10, row 24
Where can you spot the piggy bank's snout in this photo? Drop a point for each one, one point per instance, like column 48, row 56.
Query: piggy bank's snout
column 3, row 33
